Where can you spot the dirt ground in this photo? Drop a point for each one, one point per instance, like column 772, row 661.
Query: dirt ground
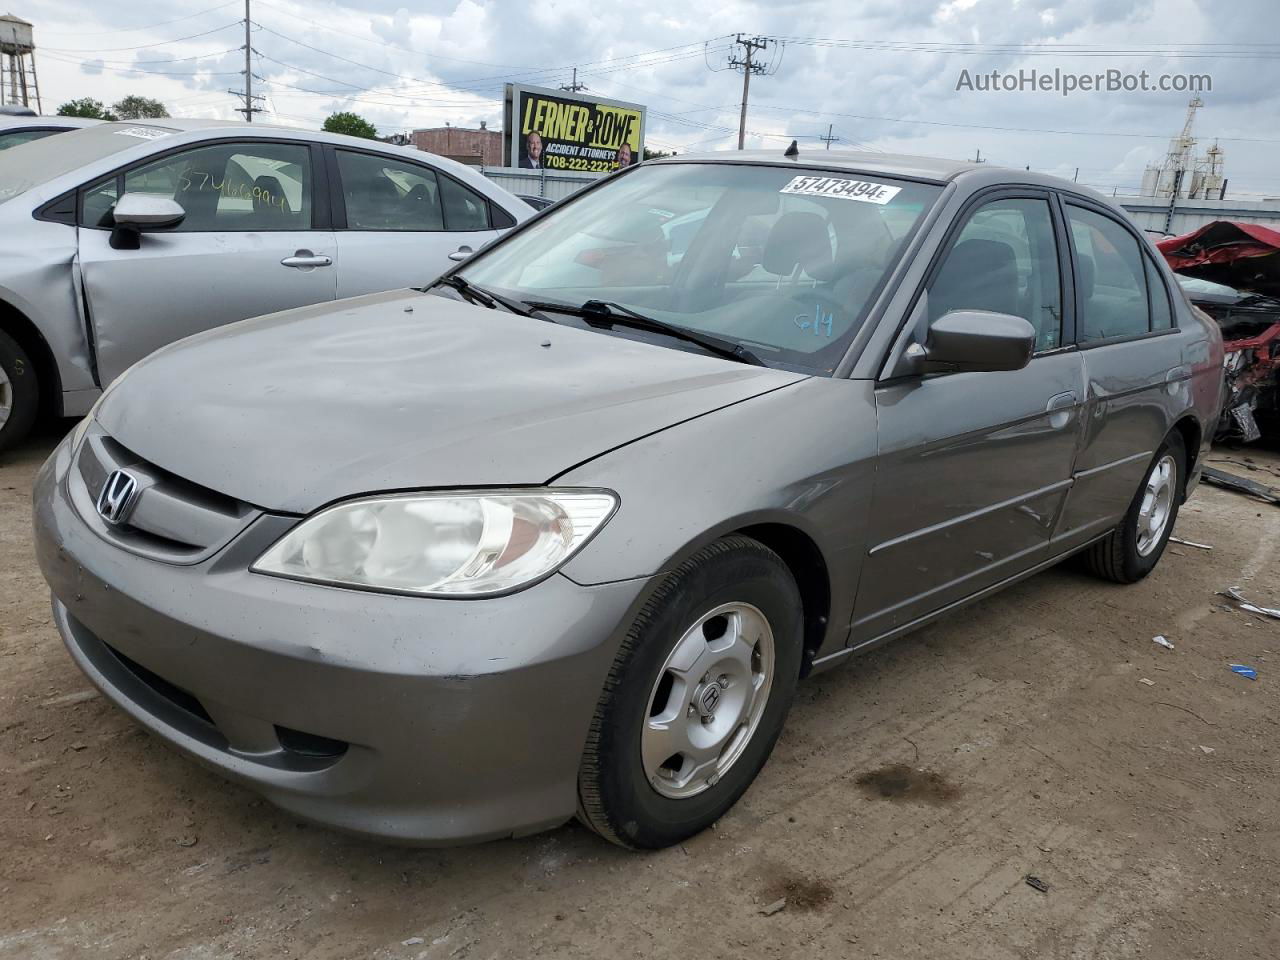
column 912, row 794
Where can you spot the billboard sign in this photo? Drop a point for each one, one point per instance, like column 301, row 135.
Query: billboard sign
column 557, row 130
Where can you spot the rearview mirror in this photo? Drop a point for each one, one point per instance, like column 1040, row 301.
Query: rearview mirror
column 142, row 212
column 975, row 340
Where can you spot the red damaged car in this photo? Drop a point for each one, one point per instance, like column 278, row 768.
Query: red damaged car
column 1231, row 271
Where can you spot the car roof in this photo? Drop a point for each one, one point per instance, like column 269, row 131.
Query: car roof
column 930, row 169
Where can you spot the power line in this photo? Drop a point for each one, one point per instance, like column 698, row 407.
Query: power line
column 150, row 26
column 144, row 46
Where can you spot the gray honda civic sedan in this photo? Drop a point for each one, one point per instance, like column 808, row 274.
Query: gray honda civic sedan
column 560, row 533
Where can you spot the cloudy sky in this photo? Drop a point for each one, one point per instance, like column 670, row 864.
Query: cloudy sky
column 882, row 73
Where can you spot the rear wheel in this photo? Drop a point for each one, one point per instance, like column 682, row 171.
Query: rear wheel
column 696, row 697
column 1133, row 549
column 19, row 392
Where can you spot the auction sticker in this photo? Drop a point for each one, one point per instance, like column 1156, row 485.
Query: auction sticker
column 842, row 188
column 144, row 133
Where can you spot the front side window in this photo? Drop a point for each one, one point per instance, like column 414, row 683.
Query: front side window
column 1005, row 260
column 784, row 260
column 1111, row 282
column 222, row 187
column 385, row 194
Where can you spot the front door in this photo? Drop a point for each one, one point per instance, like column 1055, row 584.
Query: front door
column 973, row 468
column 246, row 247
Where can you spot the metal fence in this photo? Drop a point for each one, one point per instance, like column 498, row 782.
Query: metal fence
column 554, row 185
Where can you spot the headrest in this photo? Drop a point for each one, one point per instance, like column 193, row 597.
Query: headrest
column 797, row 239
column 268, row 194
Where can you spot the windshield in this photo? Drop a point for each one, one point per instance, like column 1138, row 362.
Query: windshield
column 783, row 260
column 42, row 160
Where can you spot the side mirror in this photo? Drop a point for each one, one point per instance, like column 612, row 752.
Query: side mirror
column 975, row 340
column 136, row 212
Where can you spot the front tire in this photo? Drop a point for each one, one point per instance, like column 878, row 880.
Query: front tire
column 696, row 697
column 1133, row 549
column 19, row 392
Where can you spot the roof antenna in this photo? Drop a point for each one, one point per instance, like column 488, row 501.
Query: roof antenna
column 793, row 150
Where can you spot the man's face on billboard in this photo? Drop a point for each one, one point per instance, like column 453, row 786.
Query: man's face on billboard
column 534, row 145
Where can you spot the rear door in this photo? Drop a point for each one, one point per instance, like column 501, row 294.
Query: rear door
column 399, row 222
column 254, row 240
column 973, row 468
column 1122, row 306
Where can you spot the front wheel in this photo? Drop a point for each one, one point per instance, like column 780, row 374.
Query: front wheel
column 1133, row 549
column 696, row 697
column 19, row 392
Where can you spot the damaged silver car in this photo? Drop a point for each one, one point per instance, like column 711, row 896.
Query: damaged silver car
column 120, row 238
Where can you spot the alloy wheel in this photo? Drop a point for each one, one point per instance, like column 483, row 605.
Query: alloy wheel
column 707, row 700
column 1157, row 505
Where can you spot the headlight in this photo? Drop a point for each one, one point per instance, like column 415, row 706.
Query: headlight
column 461, row 544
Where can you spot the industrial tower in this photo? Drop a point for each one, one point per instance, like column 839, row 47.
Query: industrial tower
column 1183, row 174
column 18, row 84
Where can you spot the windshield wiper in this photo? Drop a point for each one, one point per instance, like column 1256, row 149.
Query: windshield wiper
column 607, row 314
column 487, row 298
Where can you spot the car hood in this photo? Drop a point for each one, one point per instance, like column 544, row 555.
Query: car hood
column 404, row 390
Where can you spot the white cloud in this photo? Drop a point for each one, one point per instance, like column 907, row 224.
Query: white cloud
column 890, row 90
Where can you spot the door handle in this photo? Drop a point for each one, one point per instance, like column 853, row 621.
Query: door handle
column 306, row 259
column 461, row 253
column 1060, row 408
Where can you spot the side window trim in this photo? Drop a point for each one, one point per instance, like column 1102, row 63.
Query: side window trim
column 975, row 204
column 1087, row 203
column 120, row 172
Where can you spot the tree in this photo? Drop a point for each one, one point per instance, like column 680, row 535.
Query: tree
column 352, row 124
column 656, row 154
column 134, row 107
column 86, row 107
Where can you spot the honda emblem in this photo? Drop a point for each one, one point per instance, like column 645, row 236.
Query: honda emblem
column 116, row 499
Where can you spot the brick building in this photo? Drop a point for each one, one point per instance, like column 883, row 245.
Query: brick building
column 473, row 147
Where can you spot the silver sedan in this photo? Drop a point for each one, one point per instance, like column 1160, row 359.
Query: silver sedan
column 459, row 563
column 120, row 238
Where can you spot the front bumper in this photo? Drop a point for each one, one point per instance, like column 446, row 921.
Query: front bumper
column 432, row 721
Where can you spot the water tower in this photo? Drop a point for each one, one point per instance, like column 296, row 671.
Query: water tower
column 18, row 63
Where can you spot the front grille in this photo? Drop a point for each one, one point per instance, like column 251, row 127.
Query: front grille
column 168, row 518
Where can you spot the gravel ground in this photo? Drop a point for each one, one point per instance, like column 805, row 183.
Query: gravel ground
column 912, row 794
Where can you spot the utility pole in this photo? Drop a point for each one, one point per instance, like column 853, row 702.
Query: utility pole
column 248, row 69
column 749, row 65
column 574, row 86
column 829, row 138
column 977, row 156
column 247, row 95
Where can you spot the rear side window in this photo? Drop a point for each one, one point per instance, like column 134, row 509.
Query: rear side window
column 1005, row 260
column 1158, row 294
column 223, row 187
column 15, row 137
column 1111, row 280
column 463, row 209
column 385, row 194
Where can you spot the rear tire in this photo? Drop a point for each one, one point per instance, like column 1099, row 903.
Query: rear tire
column 705, row 675
column 19, row 392
column 1133, row 549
